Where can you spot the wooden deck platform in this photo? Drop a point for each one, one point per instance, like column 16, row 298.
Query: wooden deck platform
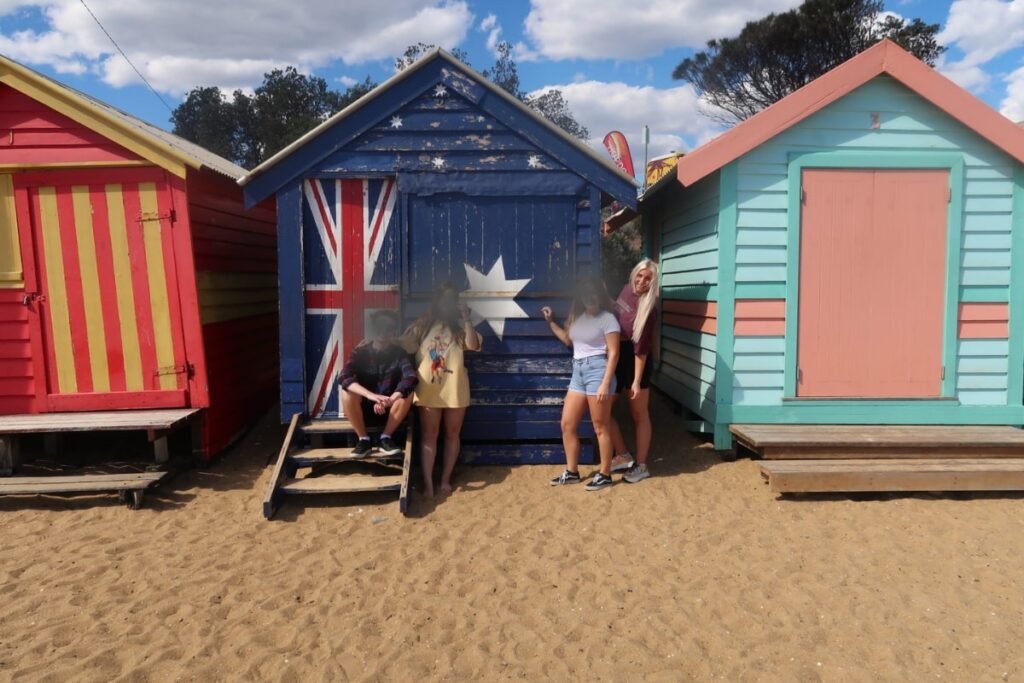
column 129, row 485
column 157, row 424
column 887, row 458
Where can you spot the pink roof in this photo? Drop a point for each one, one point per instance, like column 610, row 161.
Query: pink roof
column 885, row 57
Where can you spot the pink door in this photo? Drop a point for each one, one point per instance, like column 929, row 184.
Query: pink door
column 872, row 283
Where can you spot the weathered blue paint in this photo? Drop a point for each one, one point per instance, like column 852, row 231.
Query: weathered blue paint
column 478, row 179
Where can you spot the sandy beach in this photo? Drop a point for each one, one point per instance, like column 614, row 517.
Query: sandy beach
column 696, row 574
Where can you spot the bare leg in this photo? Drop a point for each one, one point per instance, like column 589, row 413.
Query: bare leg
column 430, row 424
column 618, row 442
column 396, row 414
column 600, row 415
column 572, row 414
column 453, row 418
column 353, row 404
column 642, row 419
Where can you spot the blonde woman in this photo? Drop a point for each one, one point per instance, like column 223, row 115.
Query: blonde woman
column 637, row 313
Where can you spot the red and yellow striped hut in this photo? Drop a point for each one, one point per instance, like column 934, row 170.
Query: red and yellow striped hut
column 131, row 275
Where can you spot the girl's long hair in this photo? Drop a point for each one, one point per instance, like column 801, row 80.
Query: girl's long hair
column 433, row 315
column 649, row 301
column 587, row 282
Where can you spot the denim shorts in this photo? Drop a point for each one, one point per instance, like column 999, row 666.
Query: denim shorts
column 588, row 373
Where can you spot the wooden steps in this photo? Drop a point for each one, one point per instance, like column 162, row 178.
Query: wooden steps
column 130, row 486
column 311, row 457
column 887, row 458
column 343, row 483
column 960, row 474
column 334, row 469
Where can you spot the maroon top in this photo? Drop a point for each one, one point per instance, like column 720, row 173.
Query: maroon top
column 625, row 310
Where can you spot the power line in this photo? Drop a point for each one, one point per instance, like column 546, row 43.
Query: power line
column 134, row 68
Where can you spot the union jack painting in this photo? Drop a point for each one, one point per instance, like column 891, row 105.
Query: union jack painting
column 350, row 252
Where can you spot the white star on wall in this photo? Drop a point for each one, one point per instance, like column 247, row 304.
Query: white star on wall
column 440, row 91
column 533, row 161
column 491, row 297
column 438, row 162
column 396, row 121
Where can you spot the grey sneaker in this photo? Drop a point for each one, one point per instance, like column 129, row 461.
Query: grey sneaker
column 637, row 474
column 622, row 463
column 362, row 449
column 566, row 477
column 600, row 481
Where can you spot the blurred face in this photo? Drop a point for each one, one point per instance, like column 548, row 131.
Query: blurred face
column 448, row 305
column 643, row 281
column 591, row 301
column 384, row 330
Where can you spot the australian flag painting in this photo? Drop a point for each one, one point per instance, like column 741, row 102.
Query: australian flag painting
column 350, row 258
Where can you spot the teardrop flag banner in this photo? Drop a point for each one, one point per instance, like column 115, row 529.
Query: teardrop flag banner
column 618, row 148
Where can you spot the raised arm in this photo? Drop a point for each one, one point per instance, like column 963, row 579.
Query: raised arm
column 556, row 329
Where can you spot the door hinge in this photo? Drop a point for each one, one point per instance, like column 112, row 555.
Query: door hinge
column 799, row 376
column 949, row 196
column 943, row 375
column 803, row 196
column 150, row 216
column 186, row 369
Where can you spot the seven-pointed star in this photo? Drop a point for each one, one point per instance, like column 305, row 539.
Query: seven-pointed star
column 396, row 121
column 491, row 297
column 438, row 162
column 440, row 91
column 533, row 161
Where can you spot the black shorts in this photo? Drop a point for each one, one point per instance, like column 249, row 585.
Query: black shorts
column 627, row 367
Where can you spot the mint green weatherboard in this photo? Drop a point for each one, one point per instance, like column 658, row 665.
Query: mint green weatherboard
column 877, row 159
column 1015, row 376
column 726, row 298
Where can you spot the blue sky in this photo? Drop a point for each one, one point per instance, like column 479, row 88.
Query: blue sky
column 612, row 59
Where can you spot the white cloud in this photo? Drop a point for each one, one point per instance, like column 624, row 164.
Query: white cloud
column 598, row 29
column 178, row 44
column 346, row 81
column 1012, row 105
column 675, row 115
column 982, row 30
column 492, row 28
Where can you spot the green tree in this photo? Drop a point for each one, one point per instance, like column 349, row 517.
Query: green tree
column 249, row 128
column 774, row 56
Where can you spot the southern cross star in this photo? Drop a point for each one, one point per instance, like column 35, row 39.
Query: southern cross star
column 533, row 161
column 396, row 121
column 440, row 91
column 491, row 297
column 438, row 162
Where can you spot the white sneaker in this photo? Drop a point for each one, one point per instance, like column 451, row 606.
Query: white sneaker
column 622, row 463
column 637, row 474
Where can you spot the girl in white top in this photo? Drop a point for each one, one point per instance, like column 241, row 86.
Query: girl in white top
column 593, row 333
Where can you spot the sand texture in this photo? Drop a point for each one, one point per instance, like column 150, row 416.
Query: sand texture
column 696, row 574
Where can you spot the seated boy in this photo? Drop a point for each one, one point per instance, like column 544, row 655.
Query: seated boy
column 379, row 379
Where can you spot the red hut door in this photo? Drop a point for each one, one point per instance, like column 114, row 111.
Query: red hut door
column 102, row 293
column 872, row 283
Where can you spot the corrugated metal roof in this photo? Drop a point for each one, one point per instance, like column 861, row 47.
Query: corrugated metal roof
column 405, row 73
column 185, row 151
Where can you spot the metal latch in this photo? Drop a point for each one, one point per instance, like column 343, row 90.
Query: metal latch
column 186, row 369
column 150, row 216
column 31, row 298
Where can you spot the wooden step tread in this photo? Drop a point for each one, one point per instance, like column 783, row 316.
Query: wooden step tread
column 338, row 425
column 878, row 436
column 342, row 483
column 307, row 457
column 861, row 475
column 79, row 483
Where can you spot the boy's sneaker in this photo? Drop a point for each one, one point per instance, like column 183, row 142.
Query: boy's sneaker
column 636, row 474
column 362, row 449
column 622, row 463
column 388, row 446
column 600, row 481
column 566, row 477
